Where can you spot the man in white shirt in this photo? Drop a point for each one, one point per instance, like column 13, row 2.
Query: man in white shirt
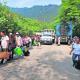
column 19, row 42
column 4, row 43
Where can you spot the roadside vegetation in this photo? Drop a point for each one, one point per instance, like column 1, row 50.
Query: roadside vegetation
column 11, row 22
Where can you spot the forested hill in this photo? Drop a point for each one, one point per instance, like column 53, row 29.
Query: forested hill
column 69, row 11
column 43, row 13
column 11, row 22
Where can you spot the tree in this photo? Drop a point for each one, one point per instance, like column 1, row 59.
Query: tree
column 11, row 22
column 70, row 10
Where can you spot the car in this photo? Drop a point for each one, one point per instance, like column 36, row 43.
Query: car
column 46, row 38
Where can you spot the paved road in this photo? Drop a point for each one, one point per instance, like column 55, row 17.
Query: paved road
column 50, row 62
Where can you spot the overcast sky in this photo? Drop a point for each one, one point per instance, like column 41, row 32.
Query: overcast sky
column 30, row 3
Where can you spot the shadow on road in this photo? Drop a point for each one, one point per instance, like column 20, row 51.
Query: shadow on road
column 61, row 69
column 50, row 66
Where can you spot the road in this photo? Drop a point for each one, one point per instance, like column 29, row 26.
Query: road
column 49, row 62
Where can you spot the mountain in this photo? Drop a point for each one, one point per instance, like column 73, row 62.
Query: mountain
column 43, row 13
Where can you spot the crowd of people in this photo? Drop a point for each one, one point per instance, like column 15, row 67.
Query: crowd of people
column 10, row 42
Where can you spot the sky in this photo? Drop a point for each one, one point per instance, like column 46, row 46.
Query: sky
column 30, row 3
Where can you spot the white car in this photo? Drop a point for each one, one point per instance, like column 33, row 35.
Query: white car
column 46, row 39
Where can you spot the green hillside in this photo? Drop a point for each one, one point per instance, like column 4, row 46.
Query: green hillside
column 11, row 22
column 42, row 13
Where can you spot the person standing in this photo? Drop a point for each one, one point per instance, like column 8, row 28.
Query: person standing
column 4, row 43
column 32, row 40
column 38, row 41
column 12, row 45
column 18, row 40
column 29, row 41
column 26, row 46
column 58, row 34
column 75, row 51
